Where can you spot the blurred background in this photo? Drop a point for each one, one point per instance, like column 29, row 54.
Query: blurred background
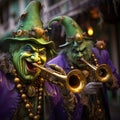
column 100, row 19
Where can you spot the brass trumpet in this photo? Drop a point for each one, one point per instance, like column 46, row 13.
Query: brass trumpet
column 74, row 80
column 103, row 72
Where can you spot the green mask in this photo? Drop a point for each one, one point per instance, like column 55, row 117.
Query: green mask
column 24, row 56
column 77, row 50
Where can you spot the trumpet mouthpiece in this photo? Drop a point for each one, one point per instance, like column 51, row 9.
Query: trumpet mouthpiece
column 35, row 64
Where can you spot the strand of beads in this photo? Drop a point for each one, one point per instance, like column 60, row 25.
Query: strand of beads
column 95, row 60
column 28, row 105
column 99, row 110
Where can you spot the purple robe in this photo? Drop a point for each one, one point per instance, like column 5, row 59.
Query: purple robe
column 53, row 103
column 62, row 62
column 103, row 58
column 9, row 98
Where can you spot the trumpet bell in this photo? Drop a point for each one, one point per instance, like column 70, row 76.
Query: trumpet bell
column 76, row 81
column 103, row 73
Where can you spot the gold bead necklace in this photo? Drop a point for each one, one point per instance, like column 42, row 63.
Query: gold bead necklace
column 99, row 112
column 95, row 60
column 37, row 88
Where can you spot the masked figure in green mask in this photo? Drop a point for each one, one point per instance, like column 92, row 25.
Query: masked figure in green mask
column 79, row 52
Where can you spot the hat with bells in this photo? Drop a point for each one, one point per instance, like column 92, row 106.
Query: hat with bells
column 72, row 29
column 30, row 27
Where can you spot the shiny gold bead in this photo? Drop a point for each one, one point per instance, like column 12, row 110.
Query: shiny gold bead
column 31, row 115
column 97, row 65
column 25, row 100
column 19, row 86
column 27, row 105
column 39, row 107
column 42, row 79
column 36, row 117
column 19, row 33
column 100, row 110
column 40, row 89
column 16, row 80
column 21, row 91
column 72, row 67
column 40, row 97
column 93, row 55
column 23, row 96
column 95, row 60
column 78, row 36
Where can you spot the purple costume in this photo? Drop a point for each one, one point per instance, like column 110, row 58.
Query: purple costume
column 53, row 103
column 102, row 57
column 10, row 99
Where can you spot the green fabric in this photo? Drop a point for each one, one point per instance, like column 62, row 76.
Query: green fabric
column 28, row 20
column 32, row 19
column 71, row 27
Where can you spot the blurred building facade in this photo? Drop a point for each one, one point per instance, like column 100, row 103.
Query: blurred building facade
column 102, row 16
column 9, row 13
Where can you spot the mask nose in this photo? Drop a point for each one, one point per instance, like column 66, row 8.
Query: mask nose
column 80, row 54
column 35, row 57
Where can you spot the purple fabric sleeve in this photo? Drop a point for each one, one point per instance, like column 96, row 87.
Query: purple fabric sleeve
column 9, row 98
column 59, row 109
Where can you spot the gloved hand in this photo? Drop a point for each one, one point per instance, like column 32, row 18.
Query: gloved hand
column 92, row 87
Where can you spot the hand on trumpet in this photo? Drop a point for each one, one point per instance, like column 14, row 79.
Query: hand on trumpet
column 59, row 80
column 57, row 68
column 92, row 88
column 69, row 100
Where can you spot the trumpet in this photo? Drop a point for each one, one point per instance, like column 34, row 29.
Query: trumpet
column 75, row 81
column 103, row 72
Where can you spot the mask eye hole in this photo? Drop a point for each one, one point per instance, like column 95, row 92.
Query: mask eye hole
column 75, row 51
column 28, row 48
column 43, row 52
